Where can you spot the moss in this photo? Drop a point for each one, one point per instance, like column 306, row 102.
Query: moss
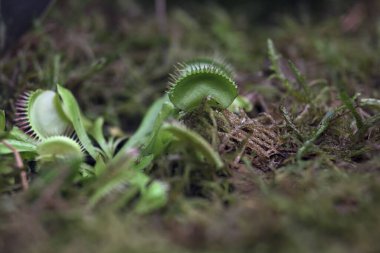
column 116, row 62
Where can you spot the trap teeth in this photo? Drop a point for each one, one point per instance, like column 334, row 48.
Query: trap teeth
column 59, row 147
column 197, row 80
column 39, row 114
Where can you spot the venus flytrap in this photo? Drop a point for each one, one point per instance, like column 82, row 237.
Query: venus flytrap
column 40, row 115
column 193, row 82
column 21, row 145
column 72, row 110
column 199, row 88
column 51, row 126
column 107, row 149
column 216, row 62
column 196, row 81
column 48, row 131
column 59, row 147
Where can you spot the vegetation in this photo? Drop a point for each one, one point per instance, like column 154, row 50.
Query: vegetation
column 132, row 138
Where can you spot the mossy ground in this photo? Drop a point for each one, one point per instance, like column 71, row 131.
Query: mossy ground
column 116, row 57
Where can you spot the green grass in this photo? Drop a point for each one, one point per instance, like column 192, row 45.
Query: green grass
column 320, row 193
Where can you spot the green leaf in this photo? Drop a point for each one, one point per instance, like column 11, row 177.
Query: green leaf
column 2, row 121
column 153, row 197
column 154, row 138
column 18, row 134
column 159, row 142
column 157, row 113
column 20, row 146
column 100, row 166
column 194, row 139
column 143, row 162
column 71, row 108
column 97, row 132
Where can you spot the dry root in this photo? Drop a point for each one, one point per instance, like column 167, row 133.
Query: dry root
column 250, row 138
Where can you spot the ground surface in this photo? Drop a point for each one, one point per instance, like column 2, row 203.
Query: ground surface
column 320, row 193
